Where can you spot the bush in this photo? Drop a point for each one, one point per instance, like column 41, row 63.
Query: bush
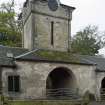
column 88, row 96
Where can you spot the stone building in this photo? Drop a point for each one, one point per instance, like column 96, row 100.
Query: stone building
column 44, row 68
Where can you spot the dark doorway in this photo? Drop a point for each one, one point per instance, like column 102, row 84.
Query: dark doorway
column 60, row 82
column 103, row 84
column 102, row 90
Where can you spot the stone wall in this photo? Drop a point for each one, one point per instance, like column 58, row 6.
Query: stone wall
column 34, row 75
column 99, row 77
column 37, row 26
column 43, row 33
column 28, row 36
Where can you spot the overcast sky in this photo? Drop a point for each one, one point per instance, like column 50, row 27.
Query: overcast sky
column 88, row 12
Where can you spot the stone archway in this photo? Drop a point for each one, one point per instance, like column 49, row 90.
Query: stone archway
column 60, row 81
column 102, row 90
column 103, row 83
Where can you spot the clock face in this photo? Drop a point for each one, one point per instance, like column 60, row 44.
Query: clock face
column 53, row 4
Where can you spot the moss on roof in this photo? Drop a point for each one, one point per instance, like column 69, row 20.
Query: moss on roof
column 57, row 56
column 53, row 56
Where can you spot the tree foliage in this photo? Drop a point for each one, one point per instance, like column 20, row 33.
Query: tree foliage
column 9, row 30
column 87, row 41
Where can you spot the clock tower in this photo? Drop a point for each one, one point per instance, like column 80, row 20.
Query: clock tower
column 47, row 25
column 53, row 4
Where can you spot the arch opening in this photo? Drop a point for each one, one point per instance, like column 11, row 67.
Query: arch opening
column 60, row 81
column 102, row 90
column 103, row 83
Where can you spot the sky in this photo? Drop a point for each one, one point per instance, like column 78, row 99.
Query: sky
column 88, row 12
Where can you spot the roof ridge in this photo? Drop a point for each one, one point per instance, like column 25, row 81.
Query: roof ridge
column 89, row 61
column 24, row 54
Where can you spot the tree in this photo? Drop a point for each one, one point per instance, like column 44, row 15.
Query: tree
column 9, row 31
column 87, row 41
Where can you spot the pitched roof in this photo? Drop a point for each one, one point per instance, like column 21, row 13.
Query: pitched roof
column 98, row 60
column 64, row 57
column 8, row 61
column 14, row 50
column 53, row 56
column 48, row 56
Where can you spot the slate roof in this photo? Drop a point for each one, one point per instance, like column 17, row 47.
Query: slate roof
column 16, row 51
column 64, row 57
column 48, row 56
column 53, row 56
column 8, row 61
column 98, row 60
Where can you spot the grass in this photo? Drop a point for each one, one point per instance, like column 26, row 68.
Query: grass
column 57, row 56
column 43, row 103
column 7, row 101
column 21, row 103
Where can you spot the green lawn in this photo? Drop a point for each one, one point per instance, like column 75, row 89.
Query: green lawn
column 22, row 103
column 43, row 103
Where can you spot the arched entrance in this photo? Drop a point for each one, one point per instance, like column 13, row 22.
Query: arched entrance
column 60, row 82
column 102, row 90
column 103, row 83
